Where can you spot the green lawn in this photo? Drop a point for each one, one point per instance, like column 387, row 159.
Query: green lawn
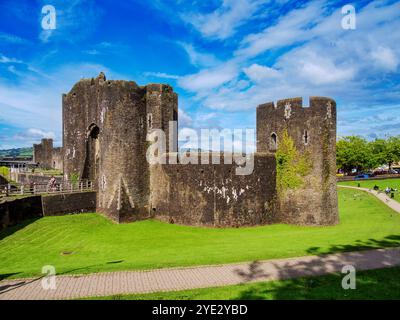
column 382, row 184
column 370, row 285
column 89, row 242
column 5, row 172
column 48, row 172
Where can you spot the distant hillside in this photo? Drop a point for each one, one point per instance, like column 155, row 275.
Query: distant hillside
column 18, row 152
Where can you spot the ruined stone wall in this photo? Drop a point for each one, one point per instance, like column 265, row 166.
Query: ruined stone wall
column 57, row 159
column 46, row 156
column 68, row 203
column 213, row 195
column 43, row 153
column 313, row 131
column 105, row 124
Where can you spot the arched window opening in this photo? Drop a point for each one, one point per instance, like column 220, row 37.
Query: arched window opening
column 94, row 131
column 273, row 144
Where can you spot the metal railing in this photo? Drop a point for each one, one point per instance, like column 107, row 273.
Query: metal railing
column 43, row 188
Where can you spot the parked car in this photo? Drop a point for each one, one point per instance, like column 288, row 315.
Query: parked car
column 379, row 172
column 370, row 173
column 362, row 176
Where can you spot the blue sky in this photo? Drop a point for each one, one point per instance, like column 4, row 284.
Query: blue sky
column 222, row 57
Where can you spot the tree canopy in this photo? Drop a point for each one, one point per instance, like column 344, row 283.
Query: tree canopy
column 354, row 152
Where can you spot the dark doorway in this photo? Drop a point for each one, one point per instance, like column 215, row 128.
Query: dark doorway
column 92, row 153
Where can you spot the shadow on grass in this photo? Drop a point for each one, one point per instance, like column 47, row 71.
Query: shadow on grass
column 7, row 275
column 387, row 242
column 301, row 281
column 12, row 229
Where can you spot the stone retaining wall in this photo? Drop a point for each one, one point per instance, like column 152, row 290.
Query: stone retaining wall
column 68, row 203
column 18, row 210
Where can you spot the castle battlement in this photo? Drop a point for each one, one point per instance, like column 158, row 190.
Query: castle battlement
column 105, row 126
column 321, row 104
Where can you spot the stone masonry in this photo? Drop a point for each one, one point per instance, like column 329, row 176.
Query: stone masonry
column 105, row 124
column 46, row 156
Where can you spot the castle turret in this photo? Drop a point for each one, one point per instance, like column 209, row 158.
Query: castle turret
column 43, row 153
column 304, row 142
column 162, row 107
column 105, row 142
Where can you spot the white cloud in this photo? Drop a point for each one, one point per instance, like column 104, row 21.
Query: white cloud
column 185, row 120
column 224, row 21
column 4, row 59
column 323, row 59
column 315, row 68
column 26, row 138
column 208, row 79
column 259, row 73
column 385, row 58
column 35, row 134
column 13, row 70
column 198, row 58
column 161, row 75
column 290, row 29
column 35, row 102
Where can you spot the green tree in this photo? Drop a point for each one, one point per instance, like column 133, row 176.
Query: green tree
column 378, row 150
column 353, row 152
column 393, row 150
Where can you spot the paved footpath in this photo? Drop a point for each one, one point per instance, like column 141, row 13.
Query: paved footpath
column 380, row 195
column 124, row 282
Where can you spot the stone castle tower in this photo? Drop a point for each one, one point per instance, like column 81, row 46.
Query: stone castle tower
column 313, row 131
column 105, row 124
column 46, row 156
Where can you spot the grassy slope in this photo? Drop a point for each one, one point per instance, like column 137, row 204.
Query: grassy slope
column 382, row 184
column 99, row 245
column 371, row 284
column 5, row 172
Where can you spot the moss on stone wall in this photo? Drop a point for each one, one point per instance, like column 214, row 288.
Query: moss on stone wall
column 291, row 165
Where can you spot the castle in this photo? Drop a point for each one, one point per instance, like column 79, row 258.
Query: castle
column 46, row 156
column 105, row 124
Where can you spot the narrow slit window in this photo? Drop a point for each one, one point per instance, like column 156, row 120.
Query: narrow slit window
column 306, row 137
column 149, row 121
